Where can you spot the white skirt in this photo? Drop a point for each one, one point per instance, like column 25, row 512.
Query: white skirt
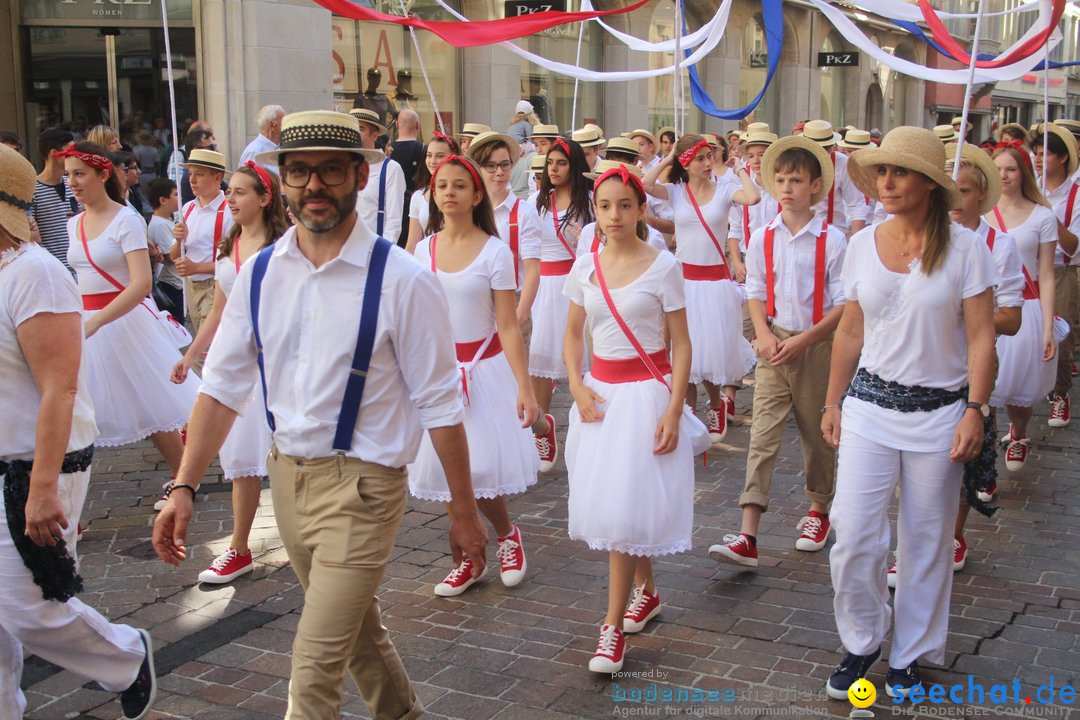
column 502, row 454
column 1023, row 378
column 622, row 496
column 722, row 356
column 127, row 364
column 243, row 454
column 548, row 328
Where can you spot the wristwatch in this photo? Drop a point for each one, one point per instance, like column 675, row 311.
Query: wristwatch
column 983, row 409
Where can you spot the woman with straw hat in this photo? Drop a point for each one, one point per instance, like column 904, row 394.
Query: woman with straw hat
column 917, row 286
column 47, row 436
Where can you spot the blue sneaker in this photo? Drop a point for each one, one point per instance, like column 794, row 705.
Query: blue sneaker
column 137, row 699
column 850, row 669
column 898, row 683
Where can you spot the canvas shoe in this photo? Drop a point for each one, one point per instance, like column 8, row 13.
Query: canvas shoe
column 1016, row 454
column 898, row 683
column 458, row 581
column 512, row 563
column 815, row 532
column 890, row 576
column 716, row 420
column 959, row 553
column 644, row 606
column 547, row 446
column 737, row 549
column 1059, row 411
column 850, row 669
column 137, row 699
column 226, row 567
column 729, row 407
column 159, row 504
column 988, row 494
column 609, row 651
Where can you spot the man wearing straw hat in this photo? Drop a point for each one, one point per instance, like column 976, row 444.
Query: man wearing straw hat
column 382, row 201
column 325, row 309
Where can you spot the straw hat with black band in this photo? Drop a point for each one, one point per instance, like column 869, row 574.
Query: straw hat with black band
column 17, row 178
column 643, row 133
column 768, row 162
column 319, row 131
column 1017, row 128
column 546, row 131
column 757, row 127
column 666, row 129
column 1072, row 126
column 1065, row 136
column 759, row 138
column 204, row 158
column 622, row 145
column 588, row 137
column 370, row 117
column 946, row 133
column 471, row 130
column 821, row 132
column 486, row 138
column 913, row 148
column 537, row 164
column 986, row 165
column 604, row 165
column 856, row 140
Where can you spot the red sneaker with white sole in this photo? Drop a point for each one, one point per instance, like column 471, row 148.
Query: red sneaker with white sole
column 959, row 553
column 226, row 567
column 159, row 504
column 988, row 494
column 1059, row 411
column 547, row 446
column 644, row 606
column 737, row 549
column 512, row 563
column 458, row 581
column 815, row 532
column 1016, row 454
column 729, row 407
column 716, row 420
column 609, row 651
column 890, row 576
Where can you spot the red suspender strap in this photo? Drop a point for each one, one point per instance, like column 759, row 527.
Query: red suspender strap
column 832, row 190
column 819, row 274
column 558, row 230
column 746, row 224
column 1069, row 205
column 218, row 222
column 1031, row 290
column 190, row 209
column 990, row 238
column 514, row 235
column 712, row 236
column 770, row 275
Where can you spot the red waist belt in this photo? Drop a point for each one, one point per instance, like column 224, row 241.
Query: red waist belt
column 1030, row 292
column 467, row 351
column 705, row 272
column 97, row 301
column 628, row 369
column 559, row 267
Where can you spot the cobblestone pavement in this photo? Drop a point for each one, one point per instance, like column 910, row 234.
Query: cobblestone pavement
column 763, row 642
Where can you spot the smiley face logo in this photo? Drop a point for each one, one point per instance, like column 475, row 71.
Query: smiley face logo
column 862, row 693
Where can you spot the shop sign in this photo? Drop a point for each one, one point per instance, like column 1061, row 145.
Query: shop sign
column 102, row 9
column 759, row 59
column 517, row 8
column 838, row 59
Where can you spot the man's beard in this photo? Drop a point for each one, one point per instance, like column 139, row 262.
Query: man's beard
column 343, row 207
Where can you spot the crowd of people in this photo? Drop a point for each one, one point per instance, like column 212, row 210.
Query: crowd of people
column 887, row 293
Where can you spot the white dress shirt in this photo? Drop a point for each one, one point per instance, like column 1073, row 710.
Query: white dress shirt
column 393, row 205
column 528, row 225
column 309, row 320
column 761, row 214
column 201, row 221
column 1009, row 291
column 849, row 204
column 260, row 144
column 794, row 257
column 1059, row 200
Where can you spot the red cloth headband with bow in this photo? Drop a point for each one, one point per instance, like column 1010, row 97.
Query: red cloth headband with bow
column 98, row 162
column 1018, row 146
column 264, row 176
column 627, row 177
column 458, row 160
column 448, row 140
column 686, row 157
column 560, row 143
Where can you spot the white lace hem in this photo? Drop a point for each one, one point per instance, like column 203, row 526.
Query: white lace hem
column 438, row 496
column 547, row 375
column 716, row 380
column 253, row 471
column 635, row 549
column 139, row 435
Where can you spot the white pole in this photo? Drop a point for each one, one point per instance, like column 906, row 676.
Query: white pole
column 967, row 93
column 577, row 63
column 423, row 71
column 172, row 91
column 1046, row 110
column 676, row 84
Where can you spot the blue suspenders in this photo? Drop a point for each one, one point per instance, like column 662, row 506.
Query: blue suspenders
column 382, row 198
column 365, row 340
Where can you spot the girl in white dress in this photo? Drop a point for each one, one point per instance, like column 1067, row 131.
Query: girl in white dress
column 1026, row 366
column 438, row 148
column 564, row 207
column 628, row 447
column 258, row 220
column 722, row 356
column 476, row 271
column 126, row 346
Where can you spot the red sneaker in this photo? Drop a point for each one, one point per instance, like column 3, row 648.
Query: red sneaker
column 737, row 549
column 547, row 446
column 609, row 651
column 890, row 576
column 1059, row 411
column 988, row 494
column 815, row 532
column 1016, row 453
column 729, row 407
column 959, row 553
column 716, row 419
column 644, row 606
column 228, row 566
column 512, row 558
column 183, row 435
column 458, row 581
column 159, row 504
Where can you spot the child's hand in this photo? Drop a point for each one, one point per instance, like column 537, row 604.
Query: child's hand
column 587, row 400
column 527, row 407
column 767, row 345
column 667, row 432
column 790, row 350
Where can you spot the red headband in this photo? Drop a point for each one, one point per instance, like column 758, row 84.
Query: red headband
column 98, row 162
column 1018, row 146
column 446, row 139
column 560, row 143
column 686, row 157
column 458, row 160
column 627, row 177
column 264, row 176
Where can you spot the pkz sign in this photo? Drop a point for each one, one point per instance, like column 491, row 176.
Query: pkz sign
column 517, row 8
column 838, row 59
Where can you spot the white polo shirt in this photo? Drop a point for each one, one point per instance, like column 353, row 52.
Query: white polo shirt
column 201, row 220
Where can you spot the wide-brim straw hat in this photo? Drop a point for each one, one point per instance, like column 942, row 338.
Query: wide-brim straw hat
column 604, row 165
column 821, row 132
column 856, row 140
column 956, row 124
column 486, row 138
column 1012, row 126
column 985, row 163
column 643, row 133
column 370, row 117
column 768, row 161
column 914, row 148
column 202, row 157
column 319, row 131
column 17, row 177
column 588, row 137
column 1072, row 126
column 759, row 137
column 545, row 131
column 1067, row 138
column 473, row 129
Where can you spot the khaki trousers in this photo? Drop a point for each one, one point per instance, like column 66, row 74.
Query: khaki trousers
column 200, row 300
column 1065, row 299
column 778, row 391
column 337, row 518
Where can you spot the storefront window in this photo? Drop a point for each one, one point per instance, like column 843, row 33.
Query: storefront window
column 755, row 63
column 551, row 94
column 661, row 89
column 99, row 10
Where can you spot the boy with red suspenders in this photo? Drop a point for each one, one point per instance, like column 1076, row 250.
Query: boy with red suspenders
column 795, row 298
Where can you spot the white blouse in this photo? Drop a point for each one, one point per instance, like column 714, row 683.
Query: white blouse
column 692, row 242
column 125, row 233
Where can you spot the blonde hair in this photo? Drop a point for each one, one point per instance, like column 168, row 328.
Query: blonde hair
column 1028, row 187
column 103, row 135
column 531, row 118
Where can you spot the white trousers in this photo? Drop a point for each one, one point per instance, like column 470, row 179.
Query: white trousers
column 69, row 634
column 866, row 477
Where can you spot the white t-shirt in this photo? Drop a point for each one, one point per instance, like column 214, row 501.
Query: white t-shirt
column 126, row 233
column 32, row 282
column 418, row 209
column 551, row 247
column 641, row 304
column 1039, row 228
column 692, row 242
column 468, row 291
column 588, row 238
column 160, row 232
column 913, row 334
column 1010, row 288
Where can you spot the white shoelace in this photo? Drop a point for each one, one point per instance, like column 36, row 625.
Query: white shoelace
column 608, row 641
column 713, row 419
column 543, row 447
column 810, row 526
column 729, row 539
column 637, row 602
column 223, row 559
column 166, row 485
column 507, row 554
column 464, row 568
column 1057, row 408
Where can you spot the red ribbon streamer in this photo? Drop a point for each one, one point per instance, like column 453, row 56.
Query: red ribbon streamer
column 937, row 28
column 476, row 33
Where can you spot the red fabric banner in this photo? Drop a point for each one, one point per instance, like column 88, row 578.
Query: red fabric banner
column 470, row 34
column 1037, row 41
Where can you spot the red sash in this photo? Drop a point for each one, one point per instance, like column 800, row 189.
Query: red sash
column 97, row 301
column 629, row 369
column 219, row 221
column 558, row 230
column 556, row 267
column 514, row 236
column 819, row 274
column 705, row 272
column 1069, row 204
column 102, row 299
column 466, row 352
column 1031, row 290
